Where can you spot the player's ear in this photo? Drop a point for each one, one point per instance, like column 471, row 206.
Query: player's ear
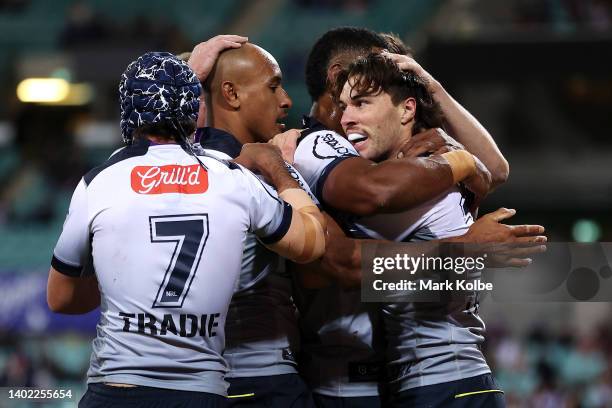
column 408, row 110
column 228, row 90
column 332, row 73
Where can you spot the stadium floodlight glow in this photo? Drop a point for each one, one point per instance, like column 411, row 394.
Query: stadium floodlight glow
column 78, row 94
column 47, row 90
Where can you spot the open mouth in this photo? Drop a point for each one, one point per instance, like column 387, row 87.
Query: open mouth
column 357, row 139
column 280, row 124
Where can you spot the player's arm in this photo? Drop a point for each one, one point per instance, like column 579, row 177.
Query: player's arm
column 362, row 187
column 302, row 239
column 460, row 123
column 342, row 260
column 340, row 263
column 72, row 294
column 305, row 238
column 69, row 290
column 342, row 179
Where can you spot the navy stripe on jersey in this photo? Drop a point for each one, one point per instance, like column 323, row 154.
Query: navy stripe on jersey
column 310, row 125
column 318, row 191
column 282, row 228
column 219, row 140
column 469, row 199
column 139, row 148
column 420, row 234
column 66, row 269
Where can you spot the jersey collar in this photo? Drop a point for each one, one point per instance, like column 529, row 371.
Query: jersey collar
column 310, row 125
column 309, row 122
column 219, row 140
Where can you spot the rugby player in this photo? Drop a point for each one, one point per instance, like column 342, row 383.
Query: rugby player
column 247, row 103
column 163, row 229
column 433, row 355
column 342, row 356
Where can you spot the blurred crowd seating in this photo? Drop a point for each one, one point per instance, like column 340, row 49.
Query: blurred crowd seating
column 39, row 166
column 547, row 369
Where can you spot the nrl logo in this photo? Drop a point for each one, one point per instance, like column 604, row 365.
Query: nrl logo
column 172, row 178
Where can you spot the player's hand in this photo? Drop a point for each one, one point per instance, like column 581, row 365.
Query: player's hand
column 505, row 245
column 259, row 157
column 406, row 63
column 205, row 54
column 287, row 143
column 431, row 141
column 480, row 182
column 265, row 159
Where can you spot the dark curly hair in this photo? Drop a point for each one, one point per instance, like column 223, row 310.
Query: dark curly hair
column 375, row 74
column 335, row 42
column 396, row 45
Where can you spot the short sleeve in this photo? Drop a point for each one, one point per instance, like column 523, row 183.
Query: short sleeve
column 270, row 216
column 303, row 184
column 72, row 248
column 317, row 154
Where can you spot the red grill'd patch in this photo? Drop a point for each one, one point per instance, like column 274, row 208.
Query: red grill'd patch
column 172, row 178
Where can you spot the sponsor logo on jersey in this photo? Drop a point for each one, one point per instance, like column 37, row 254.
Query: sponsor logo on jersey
column 365, row 371
column 328, row 147
column 296, row 176
column 171, row 178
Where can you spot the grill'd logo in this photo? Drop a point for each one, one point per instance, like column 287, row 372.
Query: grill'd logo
column 172, row 178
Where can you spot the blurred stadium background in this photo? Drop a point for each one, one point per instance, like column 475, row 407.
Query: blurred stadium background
column 537, row 73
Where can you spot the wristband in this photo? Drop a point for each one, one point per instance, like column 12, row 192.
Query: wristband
column 462, row 164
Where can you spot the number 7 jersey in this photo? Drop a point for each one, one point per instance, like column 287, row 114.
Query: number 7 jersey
column 164, row 236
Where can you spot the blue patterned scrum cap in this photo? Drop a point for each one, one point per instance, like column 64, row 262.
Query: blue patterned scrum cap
column 157, row 86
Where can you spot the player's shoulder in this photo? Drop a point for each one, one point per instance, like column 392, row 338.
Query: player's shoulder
column 215, row 158
column 118, row 156
column 311, row 134
column 325, row 144
column 207, row 152
column 318, row 130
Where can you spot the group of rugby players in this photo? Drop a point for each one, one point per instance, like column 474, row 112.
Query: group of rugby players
column 366, row 87
column 375, row 159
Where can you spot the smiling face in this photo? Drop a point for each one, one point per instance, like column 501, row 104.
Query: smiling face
column 371, row 122
column 264, row 102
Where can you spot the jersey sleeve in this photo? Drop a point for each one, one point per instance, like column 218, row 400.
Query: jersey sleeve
column 72, row 248
column 317, row 154
column 270, row 216
column 303, row 184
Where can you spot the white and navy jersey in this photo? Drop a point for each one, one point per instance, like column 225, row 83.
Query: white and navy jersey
column 427, row 343
column 261, row 329
column 342, row 349
column 431, row 343
column 318, row 152
column 166, row 237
